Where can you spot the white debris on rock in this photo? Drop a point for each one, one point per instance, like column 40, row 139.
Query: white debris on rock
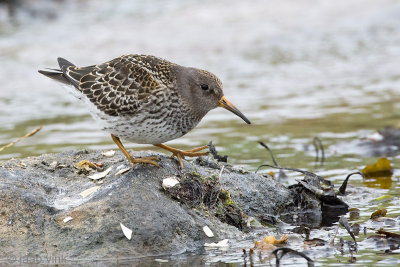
column 109, row 153
column 122, row 171
column 89, row 191
column 161, row 260
column 100, row 175
column 220, row 244
column 127, row 232
column 169, row 182
column 67, row 219
column 208, row 231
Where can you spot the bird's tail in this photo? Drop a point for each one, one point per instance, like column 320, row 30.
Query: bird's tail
column 58, row 74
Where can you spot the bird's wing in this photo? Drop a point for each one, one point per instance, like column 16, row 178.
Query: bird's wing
column 120, row 86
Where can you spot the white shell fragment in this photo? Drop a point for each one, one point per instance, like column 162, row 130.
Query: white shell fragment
column 161, row 260
column 53, row 164
column 67, row 219
column 208, row 231
column 122, row 171
column 89, row 191
column 100, row 175
column 127, row 232
column 220, row 244
column 169, row 182
column 109, row 153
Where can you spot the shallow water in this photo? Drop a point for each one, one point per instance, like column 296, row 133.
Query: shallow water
column 298, row 70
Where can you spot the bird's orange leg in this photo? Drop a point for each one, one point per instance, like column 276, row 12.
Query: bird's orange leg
column 132, row 160
column 180, row 154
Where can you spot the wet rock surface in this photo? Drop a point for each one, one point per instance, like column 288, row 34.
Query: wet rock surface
column 40, row 193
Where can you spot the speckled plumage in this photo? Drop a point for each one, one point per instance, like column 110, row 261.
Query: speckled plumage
column 143, row 99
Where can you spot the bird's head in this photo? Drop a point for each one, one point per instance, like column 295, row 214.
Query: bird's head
column 202, row 90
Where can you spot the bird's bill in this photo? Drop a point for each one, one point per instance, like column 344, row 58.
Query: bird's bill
column 224, row 103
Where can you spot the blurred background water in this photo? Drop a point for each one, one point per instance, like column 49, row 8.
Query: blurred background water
column 296, row 69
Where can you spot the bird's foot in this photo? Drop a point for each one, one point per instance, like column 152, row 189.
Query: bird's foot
column 180, row 154
column 132, row 160
column 146, row 160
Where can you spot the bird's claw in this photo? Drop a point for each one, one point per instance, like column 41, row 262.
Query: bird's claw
column 181, row 154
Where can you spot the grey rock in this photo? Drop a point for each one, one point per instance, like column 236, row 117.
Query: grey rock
column 38, row 193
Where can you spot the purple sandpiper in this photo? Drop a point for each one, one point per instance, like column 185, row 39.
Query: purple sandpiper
column 145, row 99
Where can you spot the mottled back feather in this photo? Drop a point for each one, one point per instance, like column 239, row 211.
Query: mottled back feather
column 120, row 86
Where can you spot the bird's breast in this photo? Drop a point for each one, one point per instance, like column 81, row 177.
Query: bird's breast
column 153, row 124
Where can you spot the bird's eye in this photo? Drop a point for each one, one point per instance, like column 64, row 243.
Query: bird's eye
column 204, row 86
